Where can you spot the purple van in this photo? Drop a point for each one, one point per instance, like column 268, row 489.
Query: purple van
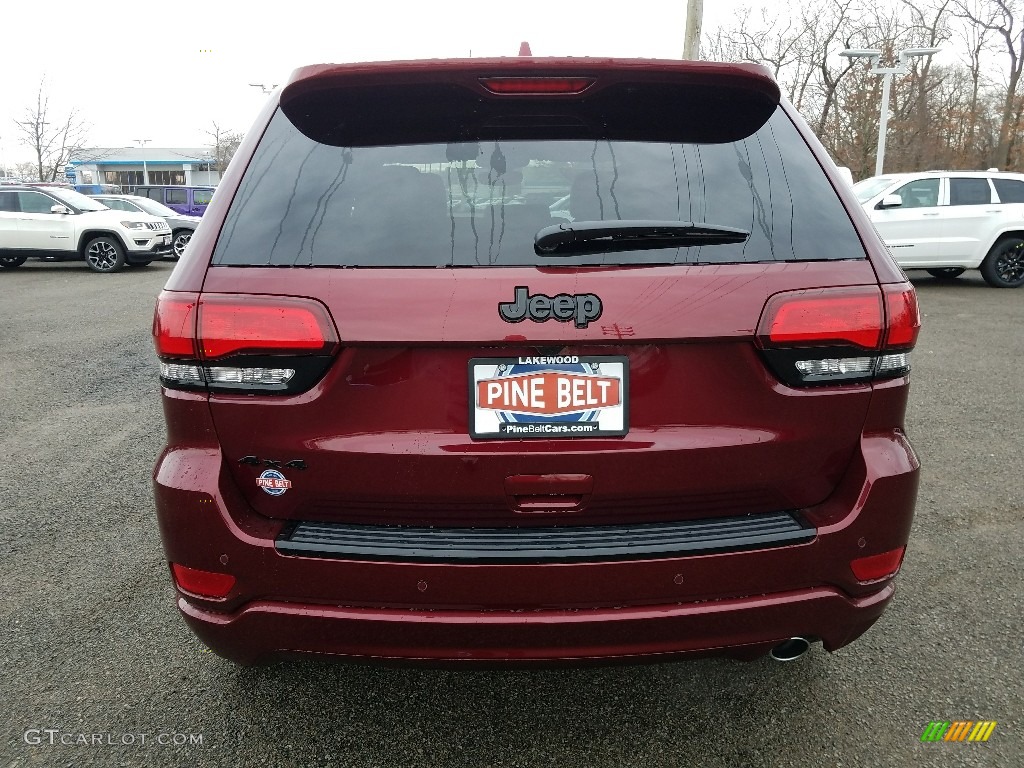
column 191, row 201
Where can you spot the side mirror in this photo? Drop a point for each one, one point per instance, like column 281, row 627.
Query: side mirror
column 890, row 201
column 62, row 209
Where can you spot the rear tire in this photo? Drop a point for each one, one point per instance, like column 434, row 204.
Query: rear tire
column 1004, row 265
column 10, row 262
column 946, row 273
column 179, row 240
column 104, row 254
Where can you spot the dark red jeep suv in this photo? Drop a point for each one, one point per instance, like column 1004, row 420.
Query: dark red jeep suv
column 533, row 360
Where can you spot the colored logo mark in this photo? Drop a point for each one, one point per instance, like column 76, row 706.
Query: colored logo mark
column 958, row 730
column 273, row 482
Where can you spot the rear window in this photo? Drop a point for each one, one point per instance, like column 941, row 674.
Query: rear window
column 480, row 203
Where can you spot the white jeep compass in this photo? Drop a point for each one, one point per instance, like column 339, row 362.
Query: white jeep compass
column 59, row 224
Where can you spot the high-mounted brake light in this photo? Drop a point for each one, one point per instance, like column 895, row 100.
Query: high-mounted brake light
column 277, row 344
column 536, row 86
column 839, row 335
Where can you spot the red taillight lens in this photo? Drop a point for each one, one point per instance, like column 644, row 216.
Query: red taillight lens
column 535, row 86
column 903, row 316
column 824, row 317
column 174, row 324
column 263, row 324
column 202, row 583
column 875, row 567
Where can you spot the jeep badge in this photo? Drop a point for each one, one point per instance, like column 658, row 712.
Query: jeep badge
column 582, row 308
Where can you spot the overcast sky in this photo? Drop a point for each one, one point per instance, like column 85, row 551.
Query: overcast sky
column 140, row 69
column 164, row 71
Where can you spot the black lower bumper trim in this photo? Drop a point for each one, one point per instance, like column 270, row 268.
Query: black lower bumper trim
column 542, row 545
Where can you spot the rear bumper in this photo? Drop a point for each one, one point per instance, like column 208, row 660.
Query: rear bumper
column 744, row 628
column 738, row 603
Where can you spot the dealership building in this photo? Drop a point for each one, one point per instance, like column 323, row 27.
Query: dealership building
column 129, row 167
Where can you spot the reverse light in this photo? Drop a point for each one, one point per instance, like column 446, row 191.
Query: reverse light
column 536, row 86
column 182, row 374
column 202, row 583
column 834, row 367
column 875, row 567
column 261, row 376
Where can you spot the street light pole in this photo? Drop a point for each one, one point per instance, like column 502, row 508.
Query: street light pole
column 883, row 120
column 873, row 55
column 145, row 171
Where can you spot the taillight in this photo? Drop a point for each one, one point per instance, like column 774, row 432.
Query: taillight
column 268, row 324
column 839, row 335
column 174, row 324
column 202, row 583
column 235, row 342
column 536, row 86
column 875, row 567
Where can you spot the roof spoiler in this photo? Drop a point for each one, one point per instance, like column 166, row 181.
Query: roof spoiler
column 431, row 101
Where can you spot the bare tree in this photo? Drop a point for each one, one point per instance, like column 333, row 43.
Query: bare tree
column 224, row 145
column 52, row 138
column 930, row 30
column 976, row 40
column 834, row 25
column 1000, row 18
column 26, row 171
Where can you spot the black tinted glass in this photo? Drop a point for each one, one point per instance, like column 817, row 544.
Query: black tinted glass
column 1009, row 190
column 969, row 192
column 481, row 203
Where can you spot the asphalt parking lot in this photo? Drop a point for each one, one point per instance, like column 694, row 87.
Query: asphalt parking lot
column 93, row 647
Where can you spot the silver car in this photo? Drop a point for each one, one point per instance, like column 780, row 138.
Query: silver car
column 182, row 226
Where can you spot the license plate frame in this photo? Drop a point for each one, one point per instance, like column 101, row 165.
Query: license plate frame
column 593, row 404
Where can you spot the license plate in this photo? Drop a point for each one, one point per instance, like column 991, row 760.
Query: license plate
column 517, row 398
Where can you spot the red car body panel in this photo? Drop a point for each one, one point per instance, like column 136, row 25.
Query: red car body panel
column 383, row 438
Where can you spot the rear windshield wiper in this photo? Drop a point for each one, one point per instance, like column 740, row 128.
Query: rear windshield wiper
column 581, row 237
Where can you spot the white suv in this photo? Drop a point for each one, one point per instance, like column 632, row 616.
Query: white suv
column 950, row 221
column 59, row 224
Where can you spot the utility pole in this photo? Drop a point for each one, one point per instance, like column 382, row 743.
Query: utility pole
column 694, row 19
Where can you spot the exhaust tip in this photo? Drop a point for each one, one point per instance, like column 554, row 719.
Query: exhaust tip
column 791, row 650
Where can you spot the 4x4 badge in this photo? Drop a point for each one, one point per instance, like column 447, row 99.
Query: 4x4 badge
column 581, row 308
